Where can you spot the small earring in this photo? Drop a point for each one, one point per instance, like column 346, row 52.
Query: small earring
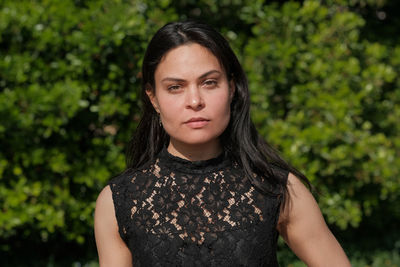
column 159, row 120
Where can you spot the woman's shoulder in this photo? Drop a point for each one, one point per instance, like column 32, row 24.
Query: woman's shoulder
column 130, row 174
column 104, row 210
column 277, row 179
column 132, row 182
column 122, row 177
column 279, row 172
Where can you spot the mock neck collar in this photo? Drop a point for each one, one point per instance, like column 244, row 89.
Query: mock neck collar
column 175, row 163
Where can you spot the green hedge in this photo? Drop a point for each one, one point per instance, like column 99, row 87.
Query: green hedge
column 324, row 93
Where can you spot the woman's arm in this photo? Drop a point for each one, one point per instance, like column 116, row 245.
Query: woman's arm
column 111, row 248
column 305, row 231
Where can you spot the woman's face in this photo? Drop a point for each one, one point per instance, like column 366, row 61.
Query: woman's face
column 192, row 95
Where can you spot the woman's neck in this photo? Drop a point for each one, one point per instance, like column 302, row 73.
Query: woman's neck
column 195, row 152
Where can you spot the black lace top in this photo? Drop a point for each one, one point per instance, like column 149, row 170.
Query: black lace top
column 175, row 212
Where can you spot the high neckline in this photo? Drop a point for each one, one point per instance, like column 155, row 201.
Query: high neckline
column 175, row 163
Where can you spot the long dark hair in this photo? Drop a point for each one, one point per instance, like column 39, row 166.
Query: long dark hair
column 240, row 139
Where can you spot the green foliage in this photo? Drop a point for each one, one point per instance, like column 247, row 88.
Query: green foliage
column 68, row 92
column 327, row 97
column 330, row 101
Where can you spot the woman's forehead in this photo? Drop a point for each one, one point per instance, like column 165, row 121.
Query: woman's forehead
column 187, row 60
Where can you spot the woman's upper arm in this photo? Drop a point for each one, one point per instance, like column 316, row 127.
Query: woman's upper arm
column 111, row 248
column 305, row 231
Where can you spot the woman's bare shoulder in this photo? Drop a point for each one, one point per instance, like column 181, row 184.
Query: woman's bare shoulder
column 303, row 228
column 104, row 212
column 111, row 248
column 105, row 196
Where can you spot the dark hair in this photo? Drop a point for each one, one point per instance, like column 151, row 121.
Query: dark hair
column 240, row 139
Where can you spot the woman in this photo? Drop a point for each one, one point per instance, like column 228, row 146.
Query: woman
column 202, row 188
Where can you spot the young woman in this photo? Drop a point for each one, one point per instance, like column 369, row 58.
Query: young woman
column 202, row 188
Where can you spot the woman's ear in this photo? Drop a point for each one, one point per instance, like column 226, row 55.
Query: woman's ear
column 152, row 97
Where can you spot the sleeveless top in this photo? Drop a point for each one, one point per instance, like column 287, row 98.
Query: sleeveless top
column 175, row 212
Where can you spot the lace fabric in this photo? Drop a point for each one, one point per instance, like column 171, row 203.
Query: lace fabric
column 175, row 212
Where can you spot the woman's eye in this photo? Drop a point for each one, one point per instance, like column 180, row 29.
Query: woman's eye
column 173, row 87
column 210, row 83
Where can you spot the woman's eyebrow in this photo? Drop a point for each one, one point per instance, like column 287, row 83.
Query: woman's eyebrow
column 208, row 73
column 173, row 79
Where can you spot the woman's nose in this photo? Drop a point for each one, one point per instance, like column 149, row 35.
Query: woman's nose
column 194, row 98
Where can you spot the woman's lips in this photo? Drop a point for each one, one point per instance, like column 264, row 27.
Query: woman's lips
column 196, row 123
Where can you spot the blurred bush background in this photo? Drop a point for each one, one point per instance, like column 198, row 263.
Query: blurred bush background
column 324, row 79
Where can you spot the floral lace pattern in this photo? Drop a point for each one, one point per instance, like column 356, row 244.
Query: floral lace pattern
column 174, row 212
